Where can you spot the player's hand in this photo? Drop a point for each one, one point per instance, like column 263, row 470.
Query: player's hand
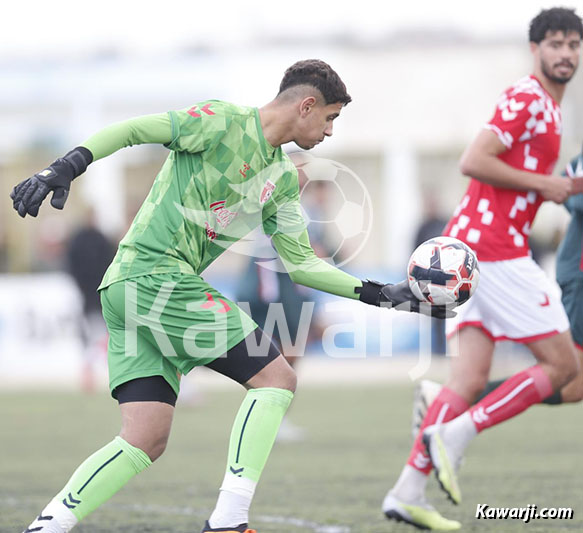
column 29, row 194
column 556, row 189
column 400, row 297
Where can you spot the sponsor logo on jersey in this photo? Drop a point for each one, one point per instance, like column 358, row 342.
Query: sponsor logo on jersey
column 266, row 192
column 210, row 232
column 223, row 215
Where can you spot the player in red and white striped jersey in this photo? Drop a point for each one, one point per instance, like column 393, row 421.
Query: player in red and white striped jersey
column 510, row 164
column 496, row 213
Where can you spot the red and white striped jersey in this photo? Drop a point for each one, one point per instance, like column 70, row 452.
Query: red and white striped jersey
column 495, row 221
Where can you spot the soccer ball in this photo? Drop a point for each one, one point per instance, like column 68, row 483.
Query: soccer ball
column 443, row 271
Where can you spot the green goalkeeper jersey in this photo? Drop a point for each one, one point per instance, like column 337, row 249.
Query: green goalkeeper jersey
column 221, row 180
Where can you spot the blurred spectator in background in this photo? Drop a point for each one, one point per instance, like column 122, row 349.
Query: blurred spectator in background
column 433, row 220
column 50, row 245
column 431, row 226
column 265, row 282
column 89, row 253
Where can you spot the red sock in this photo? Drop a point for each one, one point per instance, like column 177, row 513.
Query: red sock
column 515, row 395
column 447, row 406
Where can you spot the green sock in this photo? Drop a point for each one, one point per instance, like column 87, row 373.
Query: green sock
column 254, row 431
column 96, row 480
column 252, row 437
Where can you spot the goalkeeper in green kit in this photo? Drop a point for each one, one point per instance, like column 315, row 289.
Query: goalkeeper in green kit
column 226, row 174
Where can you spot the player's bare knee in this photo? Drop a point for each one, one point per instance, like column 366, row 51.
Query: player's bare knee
column 290, row 381
column 154, row 450
column 469, row 388
column 571, row 367
column 277, row 374
column 157, row 449
column 284, row 379
column 576, row 386
column 149, row 438
column 474, row 390
column 577, row 395
column 561, row 374
column 571, row 371
column 152, row 446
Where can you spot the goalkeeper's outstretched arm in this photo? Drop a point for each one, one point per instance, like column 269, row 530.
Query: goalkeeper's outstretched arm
column 305, row 268
column 28, row 195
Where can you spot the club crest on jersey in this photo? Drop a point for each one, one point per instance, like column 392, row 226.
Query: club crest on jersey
column 223, row 215
column 266, row 192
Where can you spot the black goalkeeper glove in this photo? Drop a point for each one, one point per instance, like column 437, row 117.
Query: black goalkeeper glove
column 29, row 194
column 400, row 297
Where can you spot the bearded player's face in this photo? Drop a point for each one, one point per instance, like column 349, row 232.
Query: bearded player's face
column 558, row 55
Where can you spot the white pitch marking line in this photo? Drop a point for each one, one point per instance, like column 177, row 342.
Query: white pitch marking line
column 318, row 528
column 267, row 519
column 200, row 513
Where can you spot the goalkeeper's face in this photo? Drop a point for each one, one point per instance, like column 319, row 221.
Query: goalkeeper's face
column 315, row 122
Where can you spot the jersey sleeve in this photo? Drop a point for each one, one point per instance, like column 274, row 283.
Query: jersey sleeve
column 199, row 127
column 512, row 115
column 306, row 268
column 146, row 129
column 288, row 219
column 285, row 208
column 290, row 238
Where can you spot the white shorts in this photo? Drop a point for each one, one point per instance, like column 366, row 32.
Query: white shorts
column 514, row 301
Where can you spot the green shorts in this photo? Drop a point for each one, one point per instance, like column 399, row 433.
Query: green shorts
column 166, row 324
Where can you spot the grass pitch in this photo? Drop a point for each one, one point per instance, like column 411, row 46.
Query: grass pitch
column 333, row 482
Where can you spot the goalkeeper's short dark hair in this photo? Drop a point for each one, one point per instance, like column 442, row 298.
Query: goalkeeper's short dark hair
column 554, row 19
column 318, row 74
